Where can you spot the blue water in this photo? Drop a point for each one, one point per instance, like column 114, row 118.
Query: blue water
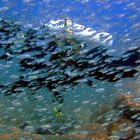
column 83, row 105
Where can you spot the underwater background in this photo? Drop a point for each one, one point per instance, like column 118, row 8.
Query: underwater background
column 107, row 111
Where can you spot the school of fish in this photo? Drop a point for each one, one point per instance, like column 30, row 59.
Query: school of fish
column 47, row 61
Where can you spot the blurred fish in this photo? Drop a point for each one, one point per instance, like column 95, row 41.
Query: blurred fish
column 46, row 61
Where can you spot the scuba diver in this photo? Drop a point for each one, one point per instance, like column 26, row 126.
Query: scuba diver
column 76, row 36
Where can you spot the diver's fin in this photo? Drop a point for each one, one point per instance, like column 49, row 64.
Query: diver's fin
column 57, row 112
